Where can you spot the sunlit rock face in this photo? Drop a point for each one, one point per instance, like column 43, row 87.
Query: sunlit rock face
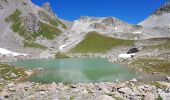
column 158, row 24
column 103, row 24
column 163, row 9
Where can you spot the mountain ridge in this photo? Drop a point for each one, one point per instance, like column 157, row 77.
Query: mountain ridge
column 24, row 22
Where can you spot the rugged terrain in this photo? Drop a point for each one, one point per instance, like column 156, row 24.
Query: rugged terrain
column 30, row 29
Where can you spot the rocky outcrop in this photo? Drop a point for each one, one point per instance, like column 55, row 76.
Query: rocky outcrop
column 31, row 23
column 163, row 9
column 103, row 24
column 112, row 22
column 46, row 6
column 157, row 24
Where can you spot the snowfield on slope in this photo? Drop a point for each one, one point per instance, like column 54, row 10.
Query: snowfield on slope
column 7, row 52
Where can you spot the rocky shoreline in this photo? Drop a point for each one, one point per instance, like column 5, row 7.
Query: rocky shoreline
column 129, row 90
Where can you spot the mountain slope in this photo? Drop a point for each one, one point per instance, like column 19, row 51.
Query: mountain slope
column 103, row 24
column 21, row 20
column 158, row 24
column 94, row 42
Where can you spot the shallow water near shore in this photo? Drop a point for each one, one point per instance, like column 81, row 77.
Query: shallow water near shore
column 74, row 70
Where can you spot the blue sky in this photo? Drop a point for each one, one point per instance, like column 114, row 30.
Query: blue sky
column 132, row 11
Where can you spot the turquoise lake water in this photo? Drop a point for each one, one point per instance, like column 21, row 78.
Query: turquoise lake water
column 73, row 70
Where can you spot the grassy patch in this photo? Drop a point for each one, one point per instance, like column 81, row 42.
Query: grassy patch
column 60, row 55
column 53, row 21
column 34, row 45
column 159, row 98
column 165, row 45
column 153, row 65
column 158, row 85
column 8, row 72
column 14, row 17
column 16, row 25
column 97, row 43
column 71, row 98
column 62, row 24
column 48, row 31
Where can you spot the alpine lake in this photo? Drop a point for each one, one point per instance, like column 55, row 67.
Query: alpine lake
column 76, row 70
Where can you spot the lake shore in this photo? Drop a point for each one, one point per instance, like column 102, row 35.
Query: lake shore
column 127, row 90
column 139, row 89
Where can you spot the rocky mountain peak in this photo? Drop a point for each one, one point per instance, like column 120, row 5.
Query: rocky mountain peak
column 47, row 7
column 111, row 21
column 163, row 9
column 84, row 18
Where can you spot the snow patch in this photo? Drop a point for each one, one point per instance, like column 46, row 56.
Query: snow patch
column 137, row 32
column 126, row 55
column 62, row 47
column 7, row 52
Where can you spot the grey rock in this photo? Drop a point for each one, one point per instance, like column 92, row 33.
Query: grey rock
column 168, row 79
column 165, row 96
column 149, row 96
column 31, row 23
column 106, row 97
column 126, row 90
column 165, row 8
column 31, row 97
column 2, row 98
column 48, row 8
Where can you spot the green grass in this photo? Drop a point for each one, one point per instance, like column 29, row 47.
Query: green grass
column 165, row 45
column 56, row 22
column 7, row 70
column 60, row 55
column 16, row 25
column 53, row 21
column 47, row 31
column 62, row 24
column 34, row 45
column 161, row 66
column 72, row 98
column 14, row 17
column 158, row 85
column 159, row 98
column 97, row 43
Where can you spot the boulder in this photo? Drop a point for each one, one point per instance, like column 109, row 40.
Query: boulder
column 125, row 90
column 149, row 96
column 168, row 79
column 31, row 97
column 106, row 97
column 165, row 96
